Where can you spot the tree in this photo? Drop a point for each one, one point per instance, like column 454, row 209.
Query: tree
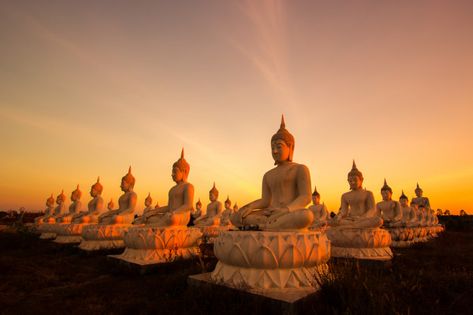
column 463, row 212
column 439, row 212
column 447, row 212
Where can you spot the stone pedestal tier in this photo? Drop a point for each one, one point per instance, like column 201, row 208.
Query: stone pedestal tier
column 48, row 230
column 367, row 243
column 420, row 234
column 210, row 233
column 148, row 245
column 265, row 260
column 70, row 233
column 103, row 236
column 402, row 236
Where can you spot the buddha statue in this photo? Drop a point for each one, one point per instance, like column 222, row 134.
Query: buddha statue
column 214, row 210
column 285, row 194
column 59, row 210
column 110, row 205
column 94, row 207
column 419, row 200
column 319, row 211
column 177, row 212
column 390, row 210
column 74, row 207
column 148, row 208
column 235, row 208
column 198, row 210
column 409, row 218
column 226, row 213
column 358, row 209
column 47, row 212
column 126, row 203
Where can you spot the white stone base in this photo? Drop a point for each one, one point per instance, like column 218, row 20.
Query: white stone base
column 148, row 245
column 47, row 236
column 210, row 233
column 70, row 233
column 372, row 244
column 401, row 236
column 271, row 261
column 103, row 237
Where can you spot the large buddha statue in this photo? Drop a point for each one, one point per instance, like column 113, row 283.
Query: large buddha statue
column 74, row 207
column 285, row 194
column 419, row 200
column 126, row 203
column 389, row 209
column 177, row 212
column 409, row 218
column 226, row 213
column 214, row 209
column 94, row 207
column 146, row 210
column 319, row 211
column 358, row 209
column 47, row 212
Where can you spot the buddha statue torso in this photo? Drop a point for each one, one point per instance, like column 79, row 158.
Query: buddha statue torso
column 409, row 217
column 390, row 212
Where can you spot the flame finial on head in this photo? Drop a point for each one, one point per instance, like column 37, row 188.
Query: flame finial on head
column 149, row 199
column 228, row 200
column 403, row 196
column 386, row 186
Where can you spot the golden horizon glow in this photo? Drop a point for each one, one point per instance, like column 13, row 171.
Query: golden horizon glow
column 87, row 89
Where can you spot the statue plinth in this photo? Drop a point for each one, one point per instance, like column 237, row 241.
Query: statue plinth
column 401, row 236
column 366, row 243
column 103, row 236
column 420, row 234
column 148, row 245
column 70, row 233
column 264, row 260
column 210, row 233
column 49, row 230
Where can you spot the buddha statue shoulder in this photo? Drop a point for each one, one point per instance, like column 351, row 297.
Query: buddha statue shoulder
column 126, row 203
column 319, row 211
column 180, row 199
column 389, row 209
column 94, row 207
column 357, row 209
column 286, row 191
column 214, row 209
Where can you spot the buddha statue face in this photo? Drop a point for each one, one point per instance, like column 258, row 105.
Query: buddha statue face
column 228, row 204
column 281, row 152
column 213, row 196
column 355, row 182
column 93, row 192
column 50, row 202
column 125, row 186
column 418, row 192
column 403, row 202
column 178, row 175
column 316, row 199
column 386, row 194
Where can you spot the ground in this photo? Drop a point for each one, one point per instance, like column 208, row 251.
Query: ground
column 40, row 277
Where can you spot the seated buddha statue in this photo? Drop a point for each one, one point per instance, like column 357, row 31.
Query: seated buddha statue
column 214, row 210
column 389, row 209
column 126, row 203
column 319, row 211
column 94, row 207
column 419, row 200
column 235, row 208
column 74, row 207
column 357, row 209
column 226, row 213
column 409, row 217
column 59, row 210
column 180, row 199
column 47, row 212
column 285, row 194
column 148, row 208
column 419, row 214
column 198, row 210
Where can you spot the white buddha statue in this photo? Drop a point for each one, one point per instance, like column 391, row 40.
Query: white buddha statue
column 409, row 217
column 235, row 208
column 389, row 209
column 226, row 213
column 285, row 194
column 74, row 208
column 214, row 210
column 319, row 211
column 146, row 210
column 180, row 199
column 47, row 212
column 419, row 200
column 94, row 207
column 59, row 210
column 126, row 203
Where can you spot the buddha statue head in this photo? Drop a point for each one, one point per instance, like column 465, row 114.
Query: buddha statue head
column 386, row 191
column 282, row 144
column 316, row 197
column 110, row 205
column 96, row 189
column 128, row 181
column 61, row 198
column 180, row 169
column 403, row 200
column 418, row 191
column 50, row 201
column 76, row 194
column 355, row 177
column 148, row 200
column 157, row 205
column 213, row 193
column 235, row 207
column 228, row 203
column 198, row 205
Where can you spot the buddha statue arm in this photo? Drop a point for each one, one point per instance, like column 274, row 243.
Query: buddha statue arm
column 344, row 209
column 427, row 203
column 259, row 203
column 324, row 214
column 397, row 212
column 303, row 189
column 186, row 206
column 219, row 208
column 371, row 211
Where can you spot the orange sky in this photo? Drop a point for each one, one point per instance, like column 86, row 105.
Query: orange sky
column 89, row 88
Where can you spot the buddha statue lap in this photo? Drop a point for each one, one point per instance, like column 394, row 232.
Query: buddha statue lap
column 263, row 259
column 164, row 236
column 355, row 231
column 112, row 225
column 319, row 211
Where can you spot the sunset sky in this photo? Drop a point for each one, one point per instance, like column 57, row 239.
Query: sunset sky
column 88, row 88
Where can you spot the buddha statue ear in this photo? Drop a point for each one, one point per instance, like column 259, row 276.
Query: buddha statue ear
column 291, row 152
